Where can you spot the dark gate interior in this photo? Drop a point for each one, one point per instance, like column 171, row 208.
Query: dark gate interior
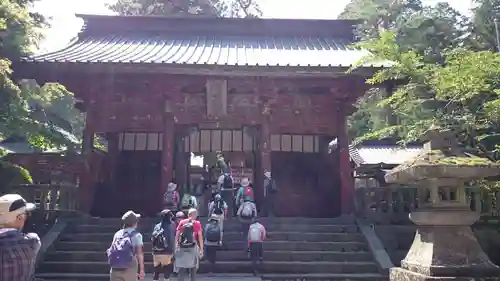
column 307, row 176
column 137, row 181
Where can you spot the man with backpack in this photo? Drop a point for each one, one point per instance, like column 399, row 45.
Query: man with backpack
column 171, row 197
column 213, row 238
column 163, row 244
column 256, row 236
column 246, row 213
column 189, row 245
column 218, row 209
column 126, row 251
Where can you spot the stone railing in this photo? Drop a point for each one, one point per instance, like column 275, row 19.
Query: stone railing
column 392, row 204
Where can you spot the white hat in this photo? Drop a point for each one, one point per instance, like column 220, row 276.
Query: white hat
column 13, row 205
column 172, row 186
column 245, row 182
column 267, row 174
column 130, row 217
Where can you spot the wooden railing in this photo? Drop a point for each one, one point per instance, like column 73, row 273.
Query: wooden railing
column 53, row 202
column 392, row 204
column 50, row 197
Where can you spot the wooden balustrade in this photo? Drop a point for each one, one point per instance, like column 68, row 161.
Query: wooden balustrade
column 392, row 204
column 53, row 201
column 50, row 197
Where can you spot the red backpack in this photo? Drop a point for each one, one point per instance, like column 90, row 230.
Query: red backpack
column 248, row 193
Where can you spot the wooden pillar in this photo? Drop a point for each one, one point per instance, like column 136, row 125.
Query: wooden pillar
column 85, row 190
column 113, row 154
column 265, row 155
column 267, row 97
column 167, row 157
column 346, row 173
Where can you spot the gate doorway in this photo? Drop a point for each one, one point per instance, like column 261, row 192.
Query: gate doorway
column 137, row 179
column 201, row 147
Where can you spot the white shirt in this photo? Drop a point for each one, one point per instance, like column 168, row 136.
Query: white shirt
column 256, row 232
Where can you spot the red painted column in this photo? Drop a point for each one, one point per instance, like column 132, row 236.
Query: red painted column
column 265, row 155
column 85, row 189
column 346, row 173
column 167, row 158
column 267, row 93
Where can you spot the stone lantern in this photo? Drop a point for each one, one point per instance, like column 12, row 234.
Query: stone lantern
column 444, row 246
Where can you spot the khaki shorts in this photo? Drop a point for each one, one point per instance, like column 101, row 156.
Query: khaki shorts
column 129, row 274
column 162, row 260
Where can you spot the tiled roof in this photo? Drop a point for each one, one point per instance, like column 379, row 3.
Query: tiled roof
column 210, row 50
column 392, row 155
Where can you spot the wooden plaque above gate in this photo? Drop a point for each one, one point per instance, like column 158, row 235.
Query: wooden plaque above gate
column 216, row 98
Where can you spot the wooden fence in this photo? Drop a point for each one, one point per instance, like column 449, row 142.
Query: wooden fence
column 392, row 204
column 50, row 197
column 53, row 202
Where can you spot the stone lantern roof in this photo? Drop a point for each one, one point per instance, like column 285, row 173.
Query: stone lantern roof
column 442, row 157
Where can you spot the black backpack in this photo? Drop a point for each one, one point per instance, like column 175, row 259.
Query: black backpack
column 219, row 207
column 228, row 182
column 160, row 240
column 213, row 232
column 187, row 235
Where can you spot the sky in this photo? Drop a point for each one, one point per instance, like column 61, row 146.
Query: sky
column 66, row 26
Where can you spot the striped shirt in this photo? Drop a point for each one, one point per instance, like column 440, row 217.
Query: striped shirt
column 18, row 253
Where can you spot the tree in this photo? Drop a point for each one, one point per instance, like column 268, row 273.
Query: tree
column 483, row 35
column 209, row 8
column 429, row 31
column 26, row 108
column 461, row 94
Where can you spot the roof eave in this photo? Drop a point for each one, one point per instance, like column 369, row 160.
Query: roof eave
column 205, row 69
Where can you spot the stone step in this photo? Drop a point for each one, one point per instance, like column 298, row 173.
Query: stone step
column 226, row 255
column 234, row 236
column 264, row 220
column 223, row 267
column 326, row 277
column 230, row 277
column 230, row 227
column 353, row 246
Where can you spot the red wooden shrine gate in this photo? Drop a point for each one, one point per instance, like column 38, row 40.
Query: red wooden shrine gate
column 285, row 78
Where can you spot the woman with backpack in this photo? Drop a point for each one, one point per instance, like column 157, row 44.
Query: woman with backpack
column 246, row 213
column 245, row 192
column 189, row 245
column 163, row 241
column 218, row 209
column 213, row 238
column 171, row 197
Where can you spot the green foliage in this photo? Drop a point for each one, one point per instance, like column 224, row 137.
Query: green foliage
column 422, row 34
column 11, row 175
column 482, row 30
column 216, row 8
column 461, row 94
column 26, row 108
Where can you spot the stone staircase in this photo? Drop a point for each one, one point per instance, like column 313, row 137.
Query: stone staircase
column 315, row 249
